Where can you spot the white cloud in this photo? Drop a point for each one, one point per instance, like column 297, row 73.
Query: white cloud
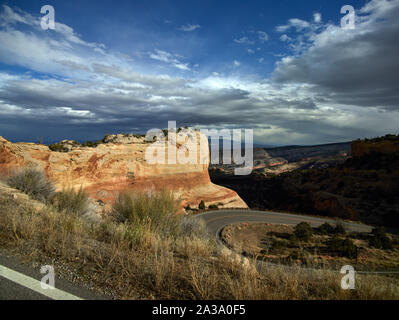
column 189, row 27
column 285, row 38
column 236, row 63
column 244, row 40
column 298, row 24
column 283, row 28
column 263, row 36
column 168, row 58
column 317, row 17
column 250, row 51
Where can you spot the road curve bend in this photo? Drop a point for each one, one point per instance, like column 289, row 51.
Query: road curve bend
column 216, row 220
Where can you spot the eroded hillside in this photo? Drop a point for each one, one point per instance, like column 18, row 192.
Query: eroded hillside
column 118, row 164
column 365, row 187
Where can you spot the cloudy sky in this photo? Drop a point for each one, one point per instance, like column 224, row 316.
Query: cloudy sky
column 283, row 68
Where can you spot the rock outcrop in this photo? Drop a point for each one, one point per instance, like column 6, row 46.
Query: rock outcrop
column 384, row 145
column 118, row 165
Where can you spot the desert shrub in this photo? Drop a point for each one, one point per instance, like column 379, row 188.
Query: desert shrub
column 91, row 144
column 303, row 231
column 157, row 210
column 213, row 207
column 201, row 206
column 71, row 201
column 188, row 208
column 57, row 147
column 60, row 147
column 293, row 241
column 339, row 228
column 383, row 242
column 343, row 247
column 297, row 255
column 326, row 228
column 278, row 244
column 380, row 239
column 281, row 235
column 193, row 228
column 33, row 182
column 274, row 244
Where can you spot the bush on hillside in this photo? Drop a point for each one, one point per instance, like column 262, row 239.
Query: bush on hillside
column 303, row 231
column 72, row 202
column 201, row 206
column 91, row 144
column 340, row 228
column 33, row 182
column 193, row 227
column 326, row 229
column 57, row 147
column 380, row 239
column 157, row 210
column 343, row 247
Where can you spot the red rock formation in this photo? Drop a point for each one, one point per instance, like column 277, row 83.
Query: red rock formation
column 105, row 170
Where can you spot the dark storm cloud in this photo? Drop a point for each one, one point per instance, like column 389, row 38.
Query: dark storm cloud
column 356, row 67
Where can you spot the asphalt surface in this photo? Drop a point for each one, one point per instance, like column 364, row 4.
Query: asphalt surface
column 216, row 220
column 10, row 290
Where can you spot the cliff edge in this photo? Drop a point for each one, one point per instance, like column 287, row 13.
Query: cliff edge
column 115, row 165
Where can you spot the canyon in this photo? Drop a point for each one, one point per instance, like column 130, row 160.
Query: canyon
column 327, row 182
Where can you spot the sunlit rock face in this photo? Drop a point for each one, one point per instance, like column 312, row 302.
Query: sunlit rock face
column 120, row 163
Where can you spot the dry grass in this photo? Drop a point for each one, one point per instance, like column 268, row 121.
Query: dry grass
column 157, row 210
column 131, row 260
column 72, row 202
column 32, row 182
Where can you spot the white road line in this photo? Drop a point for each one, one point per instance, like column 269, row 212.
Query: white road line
column 34, row 285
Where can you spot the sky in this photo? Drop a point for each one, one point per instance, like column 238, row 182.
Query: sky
column 286, row 69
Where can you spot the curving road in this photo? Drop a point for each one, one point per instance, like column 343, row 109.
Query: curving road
column 216, row 220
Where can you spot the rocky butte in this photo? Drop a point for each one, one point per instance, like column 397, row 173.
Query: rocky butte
column 116, row 164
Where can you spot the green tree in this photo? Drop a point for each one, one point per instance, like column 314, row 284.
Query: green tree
column 201, row 206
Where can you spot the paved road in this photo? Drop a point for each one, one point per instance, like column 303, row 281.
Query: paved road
column 22, row 282
column 216, row 220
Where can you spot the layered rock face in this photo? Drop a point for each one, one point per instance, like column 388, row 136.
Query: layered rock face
column 120, row 164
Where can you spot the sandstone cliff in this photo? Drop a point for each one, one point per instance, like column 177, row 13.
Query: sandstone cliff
column 117, row 165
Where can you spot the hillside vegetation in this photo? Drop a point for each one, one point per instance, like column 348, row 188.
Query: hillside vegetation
column 136, row 253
